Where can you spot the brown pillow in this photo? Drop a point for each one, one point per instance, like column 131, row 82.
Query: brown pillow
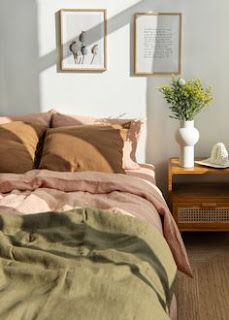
column 39, row 118
column 18, row 143
column 84, row 148
column 129, row 155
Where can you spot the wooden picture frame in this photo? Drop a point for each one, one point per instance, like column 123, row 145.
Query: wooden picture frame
column 83, row 40
column 157, row 43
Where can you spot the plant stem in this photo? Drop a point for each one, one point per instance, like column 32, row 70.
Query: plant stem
column 93, row 58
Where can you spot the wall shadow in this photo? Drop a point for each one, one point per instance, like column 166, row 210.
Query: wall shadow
column 114, row 23
column 160, row 141
column 20, row 63
column 20, row 67
column 19, row 75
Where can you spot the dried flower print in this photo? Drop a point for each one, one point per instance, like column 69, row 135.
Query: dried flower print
column 94, row 51
column 74, row 47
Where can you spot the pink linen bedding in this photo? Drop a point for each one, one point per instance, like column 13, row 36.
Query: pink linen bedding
column 43, row 190
column 145, row 171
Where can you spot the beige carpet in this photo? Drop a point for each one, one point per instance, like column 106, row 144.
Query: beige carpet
column 206, row 296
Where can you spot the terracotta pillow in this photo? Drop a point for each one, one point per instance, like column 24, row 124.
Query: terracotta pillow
column 84, row 148
column 39, row 118
column 129, row 154
column 18, row 143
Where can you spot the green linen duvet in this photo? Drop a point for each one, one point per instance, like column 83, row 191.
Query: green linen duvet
column 84, row 264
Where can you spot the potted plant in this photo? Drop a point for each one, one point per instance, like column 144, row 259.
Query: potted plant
column 186, row 99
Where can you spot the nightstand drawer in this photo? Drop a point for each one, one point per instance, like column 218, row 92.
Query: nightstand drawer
column 201, row 217
column 202, row 214
column 195, row 203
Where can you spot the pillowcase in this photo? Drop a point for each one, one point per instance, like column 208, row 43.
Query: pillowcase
column 84, row 148
column 130, row 146
column 39, row 118
column 18, row 143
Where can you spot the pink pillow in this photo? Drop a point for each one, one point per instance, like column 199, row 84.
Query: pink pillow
column 130, row 146
column 39, row 118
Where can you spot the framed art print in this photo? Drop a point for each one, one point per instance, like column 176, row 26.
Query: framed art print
column 158, row 39
column 83, row 39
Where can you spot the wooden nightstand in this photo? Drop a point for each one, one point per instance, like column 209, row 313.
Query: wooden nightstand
column 198, row 206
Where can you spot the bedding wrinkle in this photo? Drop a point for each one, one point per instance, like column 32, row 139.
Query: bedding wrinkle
column 58, row 191
column 86, row 264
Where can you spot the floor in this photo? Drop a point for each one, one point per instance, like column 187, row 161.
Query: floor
column 206, row 296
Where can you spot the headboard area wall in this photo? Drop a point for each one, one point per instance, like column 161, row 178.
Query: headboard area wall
column 31, row 80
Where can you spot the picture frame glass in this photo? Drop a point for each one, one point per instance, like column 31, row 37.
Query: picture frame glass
column 83, row 40
column 157, row 43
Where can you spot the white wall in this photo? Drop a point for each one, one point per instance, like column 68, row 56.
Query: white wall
column 30, row 80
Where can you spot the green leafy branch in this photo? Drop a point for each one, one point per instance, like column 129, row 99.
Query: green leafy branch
column 186, row 99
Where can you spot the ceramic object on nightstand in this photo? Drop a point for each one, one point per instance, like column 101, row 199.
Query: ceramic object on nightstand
column 187, row 136
column 218, row 159
column 219, row 154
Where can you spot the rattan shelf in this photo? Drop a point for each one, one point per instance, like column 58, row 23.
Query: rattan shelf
column 198, row 206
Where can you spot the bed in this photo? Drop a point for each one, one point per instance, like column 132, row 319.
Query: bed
column 82, row 239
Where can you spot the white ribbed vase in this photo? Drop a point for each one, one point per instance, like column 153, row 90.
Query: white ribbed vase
column 187, row 136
